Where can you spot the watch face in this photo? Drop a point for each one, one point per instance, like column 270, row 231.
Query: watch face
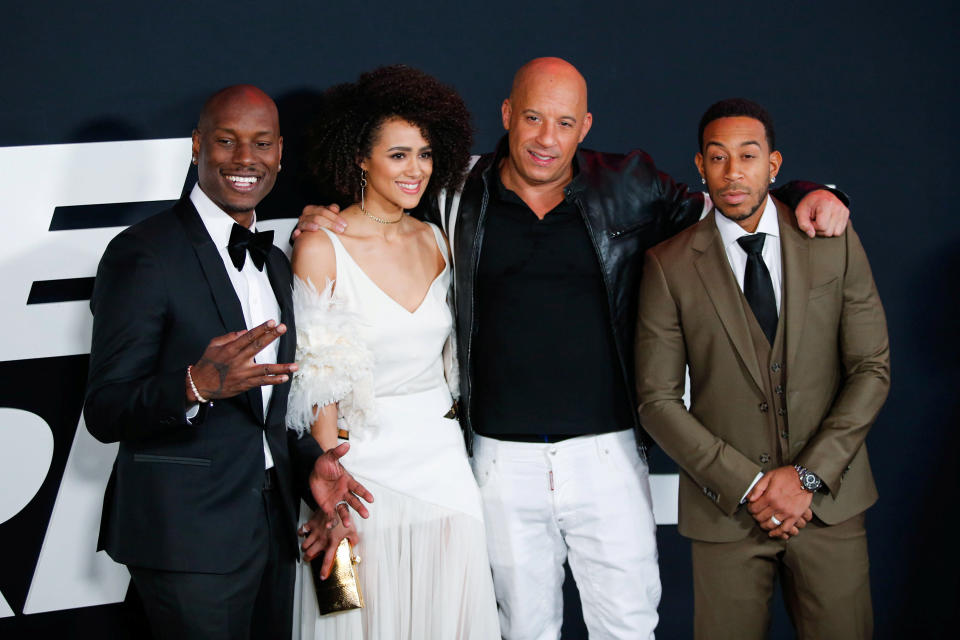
column 810, row 481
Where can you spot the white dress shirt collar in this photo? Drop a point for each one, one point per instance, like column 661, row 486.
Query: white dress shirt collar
column 730, row 231
column 769, row 224
column 218, row 222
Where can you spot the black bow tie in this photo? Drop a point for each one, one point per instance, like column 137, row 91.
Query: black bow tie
column 243, row 240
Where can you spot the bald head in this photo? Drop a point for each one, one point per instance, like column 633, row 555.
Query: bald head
column 242, row 96
column 546, row 72
column 546, row 119
column 237, row 149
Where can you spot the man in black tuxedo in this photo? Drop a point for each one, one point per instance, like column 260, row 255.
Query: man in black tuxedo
column 201, row 505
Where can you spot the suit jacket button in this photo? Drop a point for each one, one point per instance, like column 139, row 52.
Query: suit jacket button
column 775, row 367
column 779, row 389
column 763, row 406
column 781, row 412
column 784, row 435
column 764, row 458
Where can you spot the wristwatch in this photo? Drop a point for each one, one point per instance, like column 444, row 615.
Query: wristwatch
column 810, row 481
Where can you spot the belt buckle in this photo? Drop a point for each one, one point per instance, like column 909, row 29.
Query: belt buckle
column 453, row 412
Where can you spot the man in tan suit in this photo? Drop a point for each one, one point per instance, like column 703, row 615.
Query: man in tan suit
column 786, row 342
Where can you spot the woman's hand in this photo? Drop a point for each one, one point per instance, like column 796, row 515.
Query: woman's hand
column 335, row 490
column 319, row 538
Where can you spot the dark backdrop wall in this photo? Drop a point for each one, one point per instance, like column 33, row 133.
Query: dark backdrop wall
column 863, row 97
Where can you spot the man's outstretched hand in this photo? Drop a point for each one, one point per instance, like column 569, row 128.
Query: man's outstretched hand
column 227, row 366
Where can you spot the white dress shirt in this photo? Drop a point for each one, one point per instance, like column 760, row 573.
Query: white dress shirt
column 257, row 299
column 730, row 232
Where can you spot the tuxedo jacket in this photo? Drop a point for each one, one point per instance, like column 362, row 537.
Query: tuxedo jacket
column 183, row 496
column 835, row 362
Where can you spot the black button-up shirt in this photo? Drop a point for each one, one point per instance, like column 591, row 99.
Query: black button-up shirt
column 545, row 356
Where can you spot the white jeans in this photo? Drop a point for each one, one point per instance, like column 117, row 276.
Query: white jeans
column 587, row 500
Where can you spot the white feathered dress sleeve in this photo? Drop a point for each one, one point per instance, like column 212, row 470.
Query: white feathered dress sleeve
column 334, row 363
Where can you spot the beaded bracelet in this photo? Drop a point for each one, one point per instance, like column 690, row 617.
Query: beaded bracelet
column 193, row 387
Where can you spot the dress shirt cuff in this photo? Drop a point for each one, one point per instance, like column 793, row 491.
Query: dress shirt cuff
column 750, row 488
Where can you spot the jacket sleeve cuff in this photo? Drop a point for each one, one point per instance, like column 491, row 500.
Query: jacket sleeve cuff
column 794, row 191
column 304, row 451
column 829, row 474
column 170, row 400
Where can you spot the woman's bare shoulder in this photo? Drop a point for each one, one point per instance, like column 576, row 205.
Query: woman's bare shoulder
column 314, row 256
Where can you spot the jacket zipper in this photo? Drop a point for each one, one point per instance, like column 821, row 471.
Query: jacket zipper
column 606, row 287
column 475, row 263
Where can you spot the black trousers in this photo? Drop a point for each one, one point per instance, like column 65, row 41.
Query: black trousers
column 253, row 602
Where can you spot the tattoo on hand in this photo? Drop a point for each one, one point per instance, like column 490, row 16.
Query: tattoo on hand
column 222, row 370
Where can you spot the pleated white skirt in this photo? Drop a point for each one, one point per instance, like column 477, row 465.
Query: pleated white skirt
column 424, row 570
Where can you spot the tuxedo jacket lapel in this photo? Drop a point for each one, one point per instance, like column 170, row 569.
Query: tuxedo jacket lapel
column 724, row 293
column 224, row 296
column 278, row 271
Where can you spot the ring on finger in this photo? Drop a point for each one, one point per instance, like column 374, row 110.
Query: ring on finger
column 775, row 521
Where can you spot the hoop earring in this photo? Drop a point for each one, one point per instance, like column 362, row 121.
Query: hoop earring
column 363, row 187
column 703, row 180
column 773, row 179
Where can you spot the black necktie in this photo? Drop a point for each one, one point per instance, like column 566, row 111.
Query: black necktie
column 757, row 286
column 243, row 240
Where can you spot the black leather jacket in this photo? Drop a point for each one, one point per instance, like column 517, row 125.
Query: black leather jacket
column 627, row 205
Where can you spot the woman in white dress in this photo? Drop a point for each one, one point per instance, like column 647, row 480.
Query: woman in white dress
column 372, row 322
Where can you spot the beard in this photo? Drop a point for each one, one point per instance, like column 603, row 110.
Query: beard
column 740, row 217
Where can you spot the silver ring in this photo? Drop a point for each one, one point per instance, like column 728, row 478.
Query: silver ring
column 340, row 503
column 776, row 522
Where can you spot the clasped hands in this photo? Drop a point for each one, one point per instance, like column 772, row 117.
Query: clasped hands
column 779, row 494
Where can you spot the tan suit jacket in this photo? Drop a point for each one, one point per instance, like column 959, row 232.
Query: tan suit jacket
column 837, row 373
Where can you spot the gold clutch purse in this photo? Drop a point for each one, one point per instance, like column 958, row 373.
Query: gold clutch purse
column 341, row 590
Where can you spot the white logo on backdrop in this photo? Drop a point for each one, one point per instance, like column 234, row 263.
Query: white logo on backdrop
column 35, row 180
column 70, row 573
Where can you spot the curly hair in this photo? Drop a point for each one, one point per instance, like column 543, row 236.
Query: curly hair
column 351, row 115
